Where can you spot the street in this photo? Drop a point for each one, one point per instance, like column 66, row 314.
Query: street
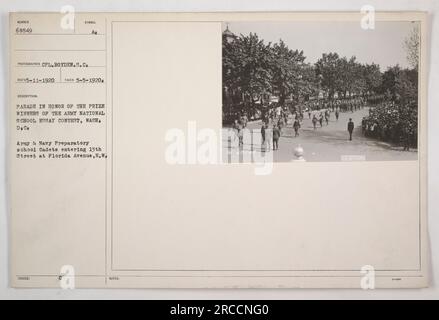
column 330, row 142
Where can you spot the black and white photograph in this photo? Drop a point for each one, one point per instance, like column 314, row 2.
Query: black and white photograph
column 320, row 91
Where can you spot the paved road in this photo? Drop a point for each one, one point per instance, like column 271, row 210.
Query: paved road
column 331, row 142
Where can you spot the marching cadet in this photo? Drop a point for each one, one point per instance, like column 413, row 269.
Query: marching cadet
column 350, row 128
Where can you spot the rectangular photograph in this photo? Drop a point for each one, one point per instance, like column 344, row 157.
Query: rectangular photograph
column 320, row 91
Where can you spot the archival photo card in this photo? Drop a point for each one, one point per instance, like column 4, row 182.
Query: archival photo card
column 218, row 150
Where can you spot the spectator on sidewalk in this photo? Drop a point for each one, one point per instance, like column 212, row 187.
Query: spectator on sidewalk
column 296, row 127
column 263, row 136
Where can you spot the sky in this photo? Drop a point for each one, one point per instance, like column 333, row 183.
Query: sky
column 383, row 45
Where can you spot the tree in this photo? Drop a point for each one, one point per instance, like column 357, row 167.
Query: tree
column 357, row 81
column 287, row 71
column 406, row 86
column 246, row 68
column 373, row 77
column 343, row 77
column 389, row 81
column 328, row 69
column 412, row 46
column 401, row 85
column 309, row 82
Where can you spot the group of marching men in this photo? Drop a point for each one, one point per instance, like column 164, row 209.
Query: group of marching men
column 342, row 104
column 319, row 111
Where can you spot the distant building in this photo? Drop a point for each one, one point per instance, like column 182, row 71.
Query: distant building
column 229, row 35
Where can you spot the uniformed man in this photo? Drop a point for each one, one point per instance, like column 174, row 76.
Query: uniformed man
column 350, row 128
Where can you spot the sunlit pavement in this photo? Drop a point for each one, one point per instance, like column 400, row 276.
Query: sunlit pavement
column 329, row 143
